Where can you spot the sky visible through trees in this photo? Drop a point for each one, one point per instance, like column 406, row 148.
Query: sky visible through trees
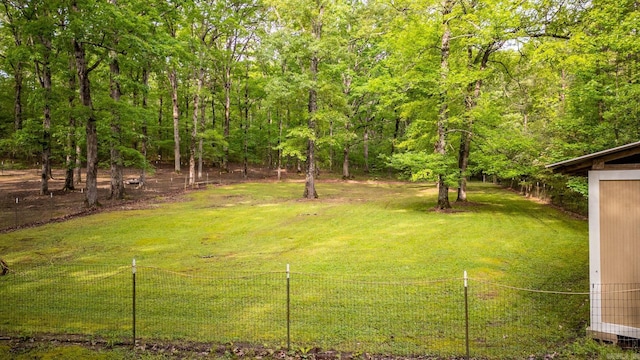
column 436, row 90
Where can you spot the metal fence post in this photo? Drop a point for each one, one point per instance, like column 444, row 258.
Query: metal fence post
column 466, row 313
column 133, row 269
column 288, row 309
column 51, row 205
column 16, row 208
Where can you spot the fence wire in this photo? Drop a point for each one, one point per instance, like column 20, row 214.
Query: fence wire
column 521, row 322
column 616, row 310
column 361, row 315
column 221, row 307
column 345, row 313
column 66, row 299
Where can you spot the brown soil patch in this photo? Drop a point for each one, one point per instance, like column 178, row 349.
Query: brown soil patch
column 193, row 350
column 21, row 204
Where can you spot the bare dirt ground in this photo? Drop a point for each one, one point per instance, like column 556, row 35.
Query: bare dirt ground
column 37, row 347
column 21, row 204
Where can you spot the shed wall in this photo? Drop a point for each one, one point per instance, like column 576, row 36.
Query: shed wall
column 620, row 251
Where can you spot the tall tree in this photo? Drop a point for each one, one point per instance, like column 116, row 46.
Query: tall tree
column 487, row 26
column 84, row 69
column 43, row 69
column 236, row 31
column 71, row 155
column 443, row 112
column 316, row 33
column 172, row 48
column 175, row 111
column 363, row 29
column 307, row 20
column 117, row 179
column 199, row 77
column 44, row 39
column 16, row 58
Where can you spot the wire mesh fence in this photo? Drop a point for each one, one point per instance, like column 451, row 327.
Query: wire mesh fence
column 66, row 299
column 520, row 322
column 296, row 310
column 615, row 309
column 372, row 315
column 219, row 307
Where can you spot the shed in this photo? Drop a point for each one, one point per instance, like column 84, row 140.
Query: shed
column 614, row 239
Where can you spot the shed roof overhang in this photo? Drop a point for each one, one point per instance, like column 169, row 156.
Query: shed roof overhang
column 625, row 157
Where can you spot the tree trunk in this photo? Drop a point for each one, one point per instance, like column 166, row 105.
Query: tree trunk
column 145, row 130
column 463, row 162
column 269, row 146
column 173, row 79
column 71, row 157
column 201, row 129
column 245, row 162
column 345, row 163
column 365, row 148
column 331, row 150
column 91, row 195
column 465, row 141
column 160, row 133
column 193, row 144
column 117, row 181
column 310, row 186
column 396, row 133
column 346, row 174
column 18, row 76
column 43, row 70
column 69, row 165
column 17, row 105
column 227, row 116
column 280, row 127
column 213, row 106
column 46, row 132
column 78, row 169
column 201, row 124
column 346, row 90
column 443, row 113
column 471, row 101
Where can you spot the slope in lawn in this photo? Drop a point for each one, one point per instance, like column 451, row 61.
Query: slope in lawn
column 364, row 257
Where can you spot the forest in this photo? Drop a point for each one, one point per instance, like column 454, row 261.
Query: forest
column 429, row 90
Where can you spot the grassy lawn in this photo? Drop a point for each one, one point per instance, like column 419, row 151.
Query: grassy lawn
column 370, row 229
column 355, row 235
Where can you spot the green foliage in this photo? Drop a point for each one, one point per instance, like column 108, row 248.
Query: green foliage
column 532, row 82
column 295, row 142
column 25, row 143
column 132, row 158
column 424, row 166
column 213, row 143
column 579, row 185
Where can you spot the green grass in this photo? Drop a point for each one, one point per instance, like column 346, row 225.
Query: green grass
column 363, row 256
column 352, row 229
column 62, row 353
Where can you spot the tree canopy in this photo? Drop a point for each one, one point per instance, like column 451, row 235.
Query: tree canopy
column 436, row 90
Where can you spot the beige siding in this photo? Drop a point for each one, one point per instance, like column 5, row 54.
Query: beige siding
column 620, row 251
